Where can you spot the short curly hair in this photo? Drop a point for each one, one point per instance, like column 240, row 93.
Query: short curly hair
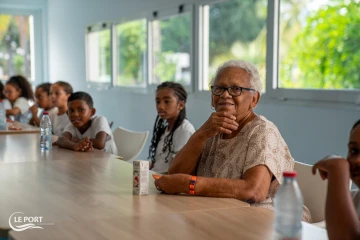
column 248, row 67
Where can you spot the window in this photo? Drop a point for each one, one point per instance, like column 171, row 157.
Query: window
column 234, row 29
column 171, row 44
column 16, row 46
column 99, row 53
column 319, row 44
column 304, row 50
column 131, row 53
column 313, row 50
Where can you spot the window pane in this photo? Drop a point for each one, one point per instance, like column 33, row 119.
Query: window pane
column 131, row 58
column 237, row 30
column 16, row 39
column 99, row 56
column 172, row 49
column 319, row 44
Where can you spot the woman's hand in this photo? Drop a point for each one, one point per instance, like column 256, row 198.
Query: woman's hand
column 84, row 145
column 173, row 184
column 219, row 122
column 330, row 164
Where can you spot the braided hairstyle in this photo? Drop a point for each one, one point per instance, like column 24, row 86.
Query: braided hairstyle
column 161, row 124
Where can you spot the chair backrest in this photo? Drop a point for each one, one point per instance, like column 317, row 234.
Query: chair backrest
column 313, row 189
column 128, row 143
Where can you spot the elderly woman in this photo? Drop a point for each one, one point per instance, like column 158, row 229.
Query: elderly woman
column 236, row 153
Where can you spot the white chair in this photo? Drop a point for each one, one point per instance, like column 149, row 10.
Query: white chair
column 128, row 143
column 314, row 191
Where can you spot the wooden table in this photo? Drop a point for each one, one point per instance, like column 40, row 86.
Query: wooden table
column 228, row 223
column 83, row 189
column 26, row 148
column 67, row 186
column 88, row 195
column 26, row 128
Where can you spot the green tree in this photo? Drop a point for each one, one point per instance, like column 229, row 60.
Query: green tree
column 176, row 34
column 15, row 45
column 131, row 49
column 325, row 54
column 232, row 23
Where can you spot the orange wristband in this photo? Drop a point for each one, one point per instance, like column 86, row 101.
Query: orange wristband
column 192, row 185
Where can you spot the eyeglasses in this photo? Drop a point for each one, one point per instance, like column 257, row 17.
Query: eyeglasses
column 233, row 91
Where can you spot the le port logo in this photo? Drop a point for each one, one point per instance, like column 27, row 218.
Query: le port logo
column 19, row 222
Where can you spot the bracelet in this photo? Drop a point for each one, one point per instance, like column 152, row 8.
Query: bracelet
column 192, row 185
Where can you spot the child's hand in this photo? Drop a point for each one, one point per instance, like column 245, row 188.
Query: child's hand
column 329, row 164
column 84, row 145
column 89, row 144
column 34, row 110
column 75, row 139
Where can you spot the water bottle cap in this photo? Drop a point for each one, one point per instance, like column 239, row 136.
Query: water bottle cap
column 290, row 174
column 46, row 113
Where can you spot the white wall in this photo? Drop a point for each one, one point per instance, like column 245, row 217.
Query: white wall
column 311, row 130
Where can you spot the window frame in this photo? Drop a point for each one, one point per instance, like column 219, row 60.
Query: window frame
column 272, row 69
column 168, row 12
column 202, row 70
column 96, row 28
column 40, row 49
column 272, row 92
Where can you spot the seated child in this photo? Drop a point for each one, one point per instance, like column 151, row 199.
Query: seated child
column 18, row 91
column 60, row 92
column 86, row 131
column 342, row 209
column 43, row 100
column 171, row 129
column 6, row 102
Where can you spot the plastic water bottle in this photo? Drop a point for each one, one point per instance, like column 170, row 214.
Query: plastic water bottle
column 3, row 125
column 288, row 209
column 45, row 132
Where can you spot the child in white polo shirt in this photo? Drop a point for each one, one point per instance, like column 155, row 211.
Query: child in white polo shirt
column 86, row 131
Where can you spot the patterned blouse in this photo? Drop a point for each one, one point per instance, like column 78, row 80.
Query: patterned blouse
column 258, row 143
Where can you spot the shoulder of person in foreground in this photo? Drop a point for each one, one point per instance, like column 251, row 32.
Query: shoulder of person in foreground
column 339, row 202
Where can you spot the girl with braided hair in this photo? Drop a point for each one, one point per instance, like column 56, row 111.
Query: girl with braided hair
column 171, row 129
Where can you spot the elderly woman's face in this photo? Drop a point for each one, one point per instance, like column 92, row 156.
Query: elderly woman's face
column 239, row 106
